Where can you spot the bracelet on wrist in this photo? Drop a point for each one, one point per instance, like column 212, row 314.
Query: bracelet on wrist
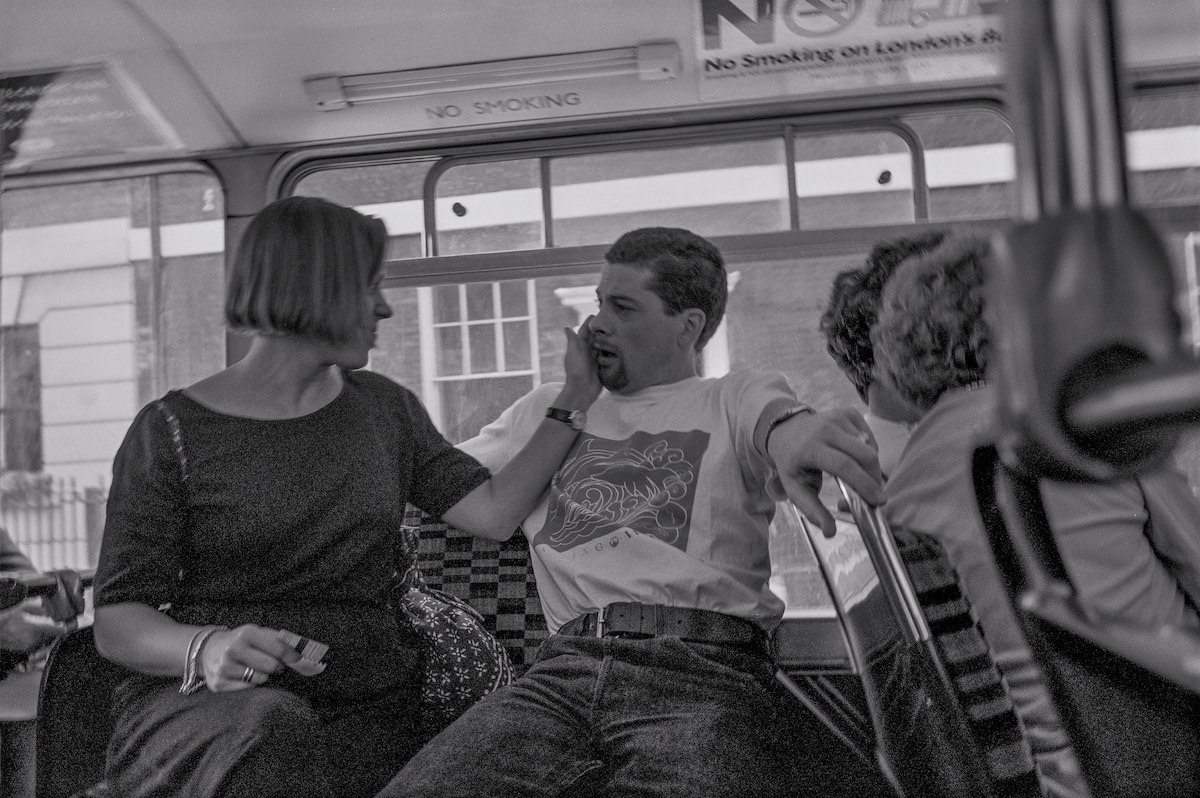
column 193, row 673
column 795, row 410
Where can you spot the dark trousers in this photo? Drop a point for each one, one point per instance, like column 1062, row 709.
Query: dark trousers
column 257, row 743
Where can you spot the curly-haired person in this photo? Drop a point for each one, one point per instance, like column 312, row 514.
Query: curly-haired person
column 932, row 342
column 846, row 324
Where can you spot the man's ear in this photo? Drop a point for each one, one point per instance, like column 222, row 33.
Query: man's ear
column 693, row 320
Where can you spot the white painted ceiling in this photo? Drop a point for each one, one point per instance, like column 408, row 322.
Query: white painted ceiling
column 228, row 74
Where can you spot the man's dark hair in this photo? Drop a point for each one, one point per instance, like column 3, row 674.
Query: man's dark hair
column 853, row 306
column 689, row 271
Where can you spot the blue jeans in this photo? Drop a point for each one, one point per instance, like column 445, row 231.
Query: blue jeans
column 621, row 717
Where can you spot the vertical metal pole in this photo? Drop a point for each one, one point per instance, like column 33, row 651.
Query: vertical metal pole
column 94, row 505
column 1086, row 41
column 1064, row 68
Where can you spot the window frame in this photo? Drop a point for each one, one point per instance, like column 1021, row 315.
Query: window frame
column 432, row 379
column 439, row 268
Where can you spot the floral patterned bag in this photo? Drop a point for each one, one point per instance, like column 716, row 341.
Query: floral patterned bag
column 463, row 660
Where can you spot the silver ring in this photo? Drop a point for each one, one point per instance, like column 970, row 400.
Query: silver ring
column 248, row 676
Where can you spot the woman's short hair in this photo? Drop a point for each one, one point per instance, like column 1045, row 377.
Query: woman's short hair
column 854, row 306
column 304, row 267
column 931, row 335
column 689, row 271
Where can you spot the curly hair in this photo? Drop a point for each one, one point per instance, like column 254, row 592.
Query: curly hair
column 688, row 269
column 854, row 306
column 931, row 335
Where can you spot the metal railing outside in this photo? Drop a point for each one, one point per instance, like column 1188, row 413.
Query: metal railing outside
column 54, row 520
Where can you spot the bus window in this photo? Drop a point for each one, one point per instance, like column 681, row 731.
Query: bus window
column 1163, row 145
column 391, row 191
column 491, row 206
column 483, row 352
column 713, row 189
column 845, row 178
column 968, row 163
column 471, row 349
column 112, row 294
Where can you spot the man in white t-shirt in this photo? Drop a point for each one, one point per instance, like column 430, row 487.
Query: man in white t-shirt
column 650, row 551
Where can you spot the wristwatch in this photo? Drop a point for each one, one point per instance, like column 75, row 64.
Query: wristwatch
column 575, row 418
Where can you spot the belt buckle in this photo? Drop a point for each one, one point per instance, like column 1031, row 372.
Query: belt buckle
column 601, row 621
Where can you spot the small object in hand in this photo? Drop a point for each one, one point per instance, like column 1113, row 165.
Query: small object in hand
column 311, row 653
column 310, row 650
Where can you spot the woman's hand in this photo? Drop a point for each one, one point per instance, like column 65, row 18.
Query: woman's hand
column 248, row 656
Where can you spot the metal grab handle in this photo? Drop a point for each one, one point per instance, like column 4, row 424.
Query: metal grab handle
column 881, row 547
column 1144, row 397
column 1064, row 83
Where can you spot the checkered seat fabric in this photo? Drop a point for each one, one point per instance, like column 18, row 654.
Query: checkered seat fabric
column 496, row 578
column 975, row 680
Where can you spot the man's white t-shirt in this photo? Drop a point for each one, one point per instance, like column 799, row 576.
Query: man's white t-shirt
column 661, row 500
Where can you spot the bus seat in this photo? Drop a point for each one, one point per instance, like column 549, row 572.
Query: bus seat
column 73, row 723
column 496, row 578
column 938, row 718
column 965, row 680
column 1129, row 696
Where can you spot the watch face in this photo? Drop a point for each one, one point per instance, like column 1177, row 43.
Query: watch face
column 574, row 418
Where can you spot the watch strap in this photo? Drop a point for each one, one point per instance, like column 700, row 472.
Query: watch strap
column 794, row 410
column 572, row 418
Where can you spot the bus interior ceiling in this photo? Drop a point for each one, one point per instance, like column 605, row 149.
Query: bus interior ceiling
column 227, row 77
column 224, row 77
column 140, row 136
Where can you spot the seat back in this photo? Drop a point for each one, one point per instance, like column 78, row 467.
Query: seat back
column 958, row 672
column 942, row 720
column 1128, row 696
column 495, row 578
column 74, row 721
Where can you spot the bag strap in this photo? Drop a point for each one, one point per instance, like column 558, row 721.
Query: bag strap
column 176, row 436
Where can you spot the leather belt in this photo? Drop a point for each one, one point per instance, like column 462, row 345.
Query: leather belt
column 630, row 619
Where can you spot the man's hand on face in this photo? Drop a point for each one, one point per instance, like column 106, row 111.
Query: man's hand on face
column 579, row 364
column 837, row 442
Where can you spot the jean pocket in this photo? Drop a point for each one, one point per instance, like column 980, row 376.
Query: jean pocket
column 741, row 663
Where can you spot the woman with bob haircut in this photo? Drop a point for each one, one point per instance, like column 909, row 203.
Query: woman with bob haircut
column 932, row 342
column 253, row 516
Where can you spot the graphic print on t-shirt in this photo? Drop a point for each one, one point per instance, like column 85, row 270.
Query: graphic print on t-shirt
column 643, row 485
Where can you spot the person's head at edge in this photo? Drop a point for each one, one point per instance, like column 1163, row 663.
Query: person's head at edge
column 853, row 310
column 310, row 268
column 662, row 296
column 932, row 335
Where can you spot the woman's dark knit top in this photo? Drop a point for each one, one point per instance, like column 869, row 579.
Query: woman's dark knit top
column 285, row 523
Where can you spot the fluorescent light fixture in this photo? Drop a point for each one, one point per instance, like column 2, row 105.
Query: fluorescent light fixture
column 648, row 61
